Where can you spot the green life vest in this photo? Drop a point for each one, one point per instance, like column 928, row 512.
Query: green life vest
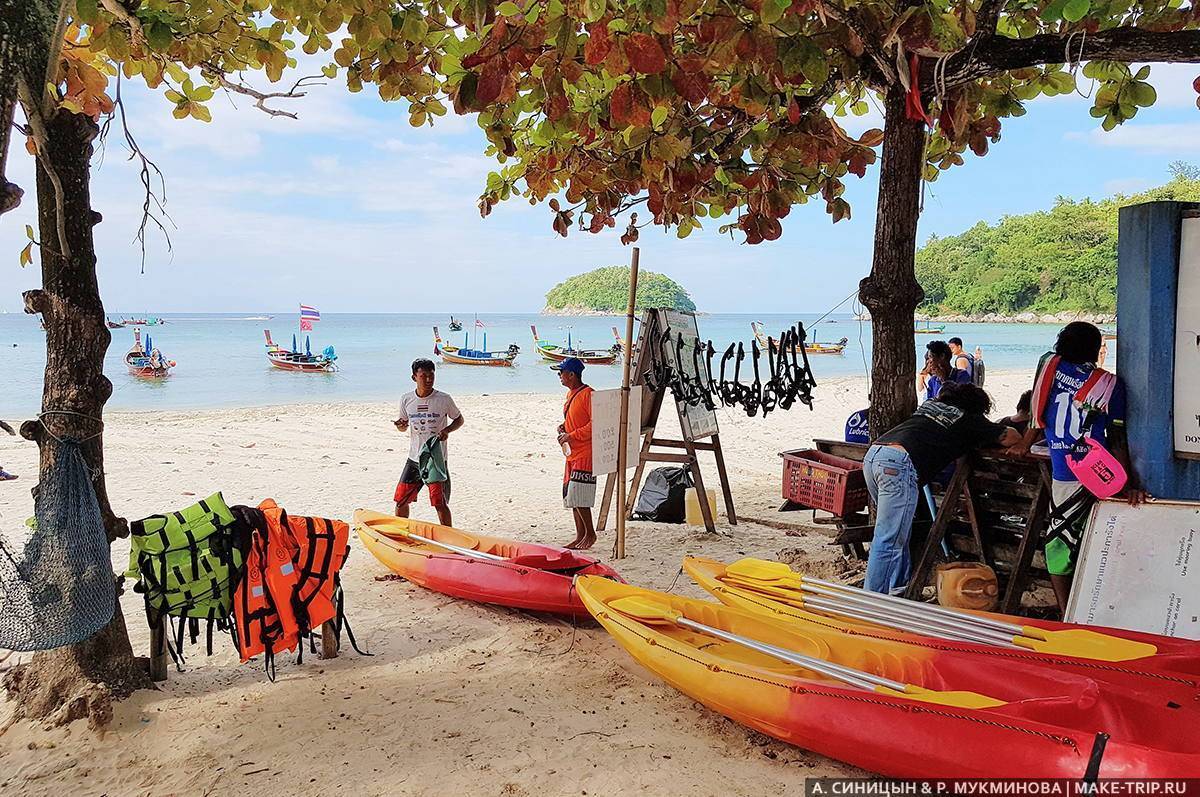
column 187, row 563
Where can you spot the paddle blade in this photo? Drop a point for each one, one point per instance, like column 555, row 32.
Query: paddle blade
column 761, row 570
column 644, row 609
column 953, row 699
column 1084, row 644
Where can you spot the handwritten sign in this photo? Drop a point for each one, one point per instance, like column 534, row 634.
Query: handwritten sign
column 1187, row 344
column 606, row 423
column 1139, row 568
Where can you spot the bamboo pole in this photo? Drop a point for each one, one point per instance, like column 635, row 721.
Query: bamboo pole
column 623, row 429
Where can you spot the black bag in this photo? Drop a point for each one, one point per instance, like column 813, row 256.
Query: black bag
column 662, row 497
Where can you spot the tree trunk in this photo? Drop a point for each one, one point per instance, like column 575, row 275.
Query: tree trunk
column 891, row 292
column 81, row 680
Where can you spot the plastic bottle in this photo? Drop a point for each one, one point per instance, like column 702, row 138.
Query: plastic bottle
column 566, row 448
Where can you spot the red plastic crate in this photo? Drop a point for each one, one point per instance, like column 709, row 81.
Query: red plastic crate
column 822, row 481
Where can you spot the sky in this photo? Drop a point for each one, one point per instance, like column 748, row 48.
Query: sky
column 350, row 209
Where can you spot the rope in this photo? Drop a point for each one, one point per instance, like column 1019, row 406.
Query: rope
column 1075, row 62
column 836, row 306
column 41, row 416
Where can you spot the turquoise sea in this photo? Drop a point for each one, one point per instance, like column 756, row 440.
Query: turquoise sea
column 221, row 359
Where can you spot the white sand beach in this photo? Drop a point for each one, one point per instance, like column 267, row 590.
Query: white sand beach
column 457, row 698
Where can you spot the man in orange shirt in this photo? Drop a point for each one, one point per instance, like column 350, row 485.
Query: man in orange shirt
column 575, row 437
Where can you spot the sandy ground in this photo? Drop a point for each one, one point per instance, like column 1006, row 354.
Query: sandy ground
column 457, row 698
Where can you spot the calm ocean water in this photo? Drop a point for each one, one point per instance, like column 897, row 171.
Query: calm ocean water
column 221, row 360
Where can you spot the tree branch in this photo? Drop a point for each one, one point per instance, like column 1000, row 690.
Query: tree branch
column 988, row 17
column 136, row 35
column 37, row 125
column 260, row 97
column 996, row 54
column 848, row 18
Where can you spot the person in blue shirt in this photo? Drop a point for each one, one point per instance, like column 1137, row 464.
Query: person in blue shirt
column 1058, row 413
column 939, row 370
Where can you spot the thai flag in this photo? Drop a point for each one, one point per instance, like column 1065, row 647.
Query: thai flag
column 309, row 313
column 478, row 323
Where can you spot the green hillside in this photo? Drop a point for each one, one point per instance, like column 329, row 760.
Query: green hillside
column 1062, row 259
column 606, row 290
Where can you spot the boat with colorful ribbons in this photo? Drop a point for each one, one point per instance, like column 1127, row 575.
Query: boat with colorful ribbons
column 295, row 360
column 875, row 704
column 555, row 353
column 812, row 347
column 467, row 356
column 476, row 567
column 1146, row 663
column 146, row 362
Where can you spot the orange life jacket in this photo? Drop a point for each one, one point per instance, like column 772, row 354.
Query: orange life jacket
column 319, row 548
column 265, row 620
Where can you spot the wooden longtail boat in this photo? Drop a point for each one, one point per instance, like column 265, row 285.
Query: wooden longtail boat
column 467, row 356
column 928, row 329
column 811, row 347
column 145, row 361
column 305, row 362
column 555, row 353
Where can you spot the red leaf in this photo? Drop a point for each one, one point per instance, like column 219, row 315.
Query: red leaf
column 491, row 82
column 645, row 53
column 1196, row 85
column 858, row 164
column 598, row 44
column 746, row 47
column 556, row 107
column 771, row 229
column 473, row 60
column 793, row 111
column 620, row 104
column 693, row 87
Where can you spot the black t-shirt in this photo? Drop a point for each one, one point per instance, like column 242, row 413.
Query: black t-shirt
column 937, row 434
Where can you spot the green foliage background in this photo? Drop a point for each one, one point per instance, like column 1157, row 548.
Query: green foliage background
column 607, row 290
column 1063, row 259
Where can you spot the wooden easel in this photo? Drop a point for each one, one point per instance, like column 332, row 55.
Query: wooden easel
column 690, row 443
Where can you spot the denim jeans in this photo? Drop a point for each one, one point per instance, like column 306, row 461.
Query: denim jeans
column 892, row 483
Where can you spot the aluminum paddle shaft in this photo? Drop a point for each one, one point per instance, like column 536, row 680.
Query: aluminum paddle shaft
column 455, row 548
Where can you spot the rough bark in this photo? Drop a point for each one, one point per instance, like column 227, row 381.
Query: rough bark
column 81, row 680
column 891, row 292
column 30, row 39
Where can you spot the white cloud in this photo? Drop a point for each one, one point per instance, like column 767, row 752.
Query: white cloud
column 1127, row 185
column 1167, row 138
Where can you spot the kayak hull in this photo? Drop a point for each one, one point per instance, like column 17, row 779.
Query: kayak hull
column 891, row 735
column 537, row 577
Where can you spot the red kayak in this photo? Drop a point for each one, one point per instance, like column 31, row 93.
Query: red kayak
column 479, row 568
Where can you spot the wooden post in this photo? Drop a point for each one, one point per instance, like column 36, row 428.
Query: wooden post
column 159, row 656
column 329, row 645
column 623, row 430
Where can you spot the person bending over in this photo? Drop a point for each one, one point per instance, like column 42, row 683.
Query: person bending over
column 429, row 416
column 912, row 454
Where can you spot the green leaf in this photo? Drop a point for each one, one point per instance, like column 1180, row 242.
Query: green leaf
column 659, row 115
column 1075, row 10
column 158, row 35
column 773, row 10
column 1142, row 73
column 684, row 229
column 29, row 233
column 202, row 94
column 87, row 11
column 594, row 10
column 1142, row 94
column 508, row 9
column 1054, row 11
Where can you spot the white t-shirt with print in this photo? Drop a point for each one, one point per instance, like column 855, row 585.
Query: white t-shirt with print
column 427, row 417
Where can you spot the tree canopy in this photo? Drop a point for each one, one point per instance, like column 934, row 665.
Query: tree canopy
column 1062, row 259
column 606, row 290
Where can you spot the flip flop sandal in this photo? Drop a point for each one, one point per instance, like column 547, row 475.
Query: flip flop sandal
column 7, row 477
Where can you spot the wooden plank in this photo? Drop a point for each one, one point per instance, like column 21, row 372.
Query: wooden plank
column 655, row 456
column 838, row 448
column 973, row 522
column 1029, row 545
column 723, row 476
column 940, row 524
column 701, row 494
column 606, row 501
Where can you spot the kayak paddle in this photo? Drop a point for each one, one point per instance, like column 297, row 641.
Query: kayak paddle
column 653, row 612
column 1081, row 643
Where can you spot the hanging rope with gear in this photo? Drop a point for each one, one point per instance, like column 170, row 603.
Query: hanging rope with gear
column 788, row 375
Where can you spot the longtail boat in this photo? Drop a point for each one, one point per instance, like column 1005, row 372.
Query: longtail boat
column 455, row 324
column 145, row 361
column 556, row 353
column 306, row 361
column 468, row 356
column 811, row 347
column 928, row 329
column 892, row 709
column 113, row 324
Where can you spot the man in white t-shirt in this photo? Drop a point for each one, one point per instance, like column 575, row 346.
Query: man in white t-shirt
column 426, row 413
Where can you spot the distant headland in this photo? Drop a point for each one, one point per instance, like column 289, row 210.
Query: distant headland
column 605, row 291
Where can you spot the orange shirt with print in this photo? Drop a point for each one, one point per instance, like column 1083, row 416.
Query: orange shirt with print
column 577, row 415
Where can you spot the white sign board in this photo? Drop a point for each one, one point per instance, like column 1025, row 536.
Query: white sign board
column 698, row 421
column 1139, row 568
column 606, row 424
column 1187, row 343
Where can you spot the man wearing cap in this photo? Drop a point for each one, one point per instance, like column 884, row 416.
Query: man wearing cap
column 575, row 437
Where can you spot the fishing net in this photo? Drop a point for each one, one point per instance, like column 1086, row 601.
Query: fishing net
column 60, row 590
